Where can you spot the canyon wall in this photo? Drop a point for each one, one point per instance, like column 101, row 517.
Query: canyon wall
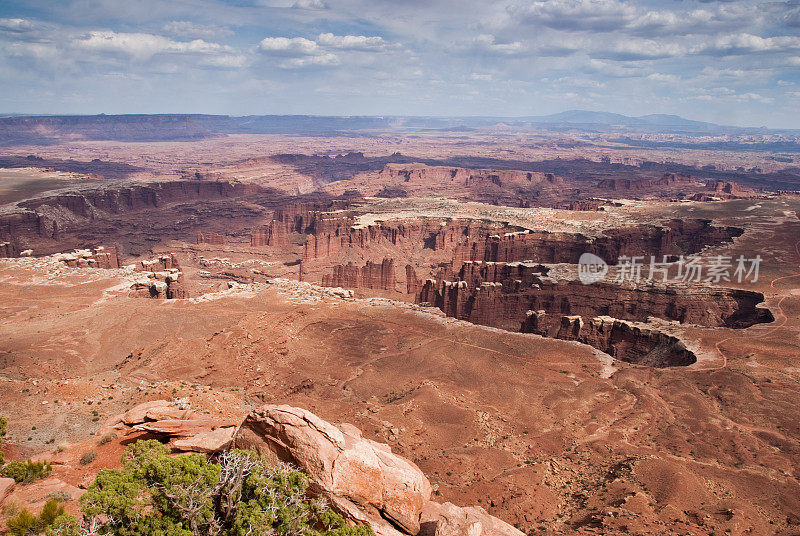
column 139, row 214
column 500, row 295
column 215, row 239
column 627, row 341
column 521, row 297
column 371, row 276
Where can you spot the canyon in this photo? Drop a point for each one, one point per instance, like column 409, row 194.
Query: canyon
column 425, row 288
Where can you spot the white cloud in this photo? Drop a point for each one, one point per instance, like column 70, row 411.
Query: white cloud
column 741, row 44
column 638, row 49
column 285, row 46
column 616, row 15
column 481, row 77
column 188, row 29
column 324, row 60
column 143, row 46
column 663, row 78
column 352, row 42
column 486, row 43
column 16, row 25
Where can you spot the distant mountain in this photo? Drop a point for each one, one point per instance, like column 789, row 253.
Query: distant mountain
column 658, row 121
column 47, row 129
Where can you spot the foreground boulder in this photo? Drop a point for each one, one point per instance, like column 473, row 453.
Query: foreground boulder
column 471, row 521
column 359, row 475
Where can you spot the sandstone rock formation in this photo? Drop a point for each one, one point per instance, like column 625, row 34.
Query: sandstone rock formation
column 340, row 463
column 7, row 249
column 470, row 521
column 174, row 422
column 161, row 278
column 522, row 297
column 215, row 239
column 100, row 257
column 371, row 275
column 627, row 341
column 364, row 480
column 127, row 214
column 501, row 294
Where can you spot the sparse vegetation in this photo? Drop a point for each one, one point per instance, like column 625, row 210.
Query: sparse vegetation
column 26, row 472
column 107, row 438
column 237, row 494
column 26, row 524
column 88, row 457
column 3, row 424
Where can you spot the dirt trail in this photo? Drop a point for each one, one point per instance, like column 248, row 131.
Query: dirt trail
column 772, row 329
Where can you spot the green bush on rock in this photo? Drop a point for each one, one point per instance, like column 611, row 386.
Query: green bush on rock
column 26, row 472
column 237, row 494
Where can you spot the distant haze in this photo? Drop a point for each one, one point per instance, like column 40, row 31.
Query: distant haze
column 727, row 62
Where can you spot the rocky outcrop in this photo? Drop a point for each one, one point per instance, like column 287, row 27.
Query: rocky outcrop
column 215, row 239
column 340, row 463
column 161, row 278
column 100, row 257
column 133, row 216
column 363, row 479
column 158, row 264
column 420, row 175
column 6, row 485
column 675, row 237
column 502, row 294
column 298, row 217
column 522, row 297
column 458, row 241
column 7, row 249
column 413, row 284
column 627, row 341
column 643, row 185
column 176, row 424
column 372, row 276
column 470, row 521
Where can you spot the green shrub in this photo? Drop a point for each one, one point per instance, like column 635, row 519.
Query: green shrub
column 238, row 494
column 3, row 424
column 26, row 524
column 88, row 457
column 26, row 472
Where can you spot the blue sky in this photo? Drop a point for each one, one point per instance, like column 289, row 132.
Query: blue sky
column 730, row 62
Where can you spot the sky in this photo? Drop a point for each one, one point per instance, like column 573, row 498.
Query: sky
column 729, row 62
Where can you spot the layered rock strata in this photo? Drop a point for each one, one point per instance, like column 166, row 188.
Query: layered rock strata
column 375, row 276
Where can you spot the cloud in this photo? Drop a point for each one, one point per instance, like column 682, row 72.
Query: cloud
column 486, row 44
column 573, row 15
column 310, row 4
column 481, row 77
column 637, row 50
column 324, row 60
column 352, row 42
column 742, row 44
column 188, row 29
column 792, row 15
column 602, row 16
column 16, row 25
column 319, row 53
column 143, row 46
column 285, row 46
column 663, row 78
